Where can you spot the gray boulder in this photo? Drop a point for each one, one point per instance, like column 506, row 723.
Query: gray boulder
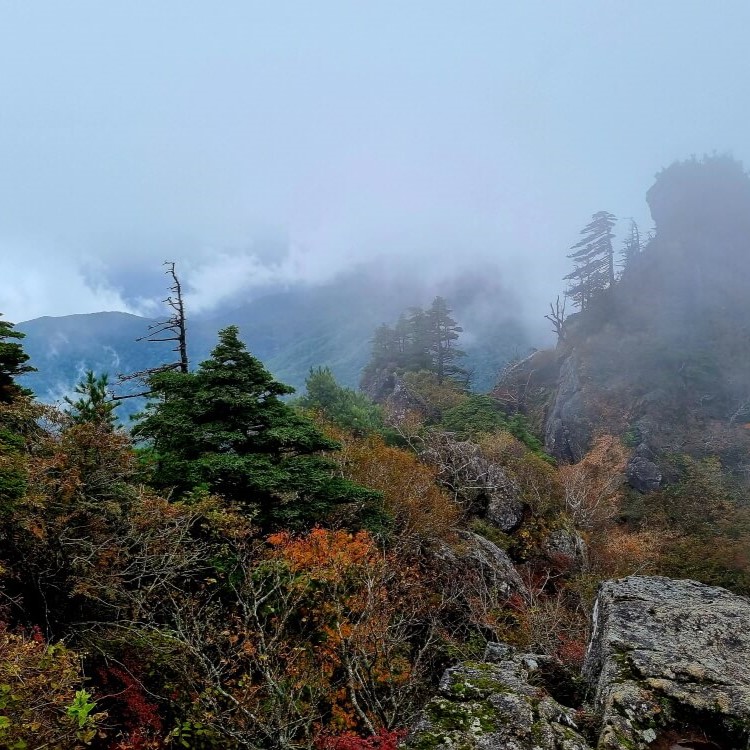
column 479, row 484
column 669, row 663
column 504, row 510
column 565, row 545
column 479, row 557
column 493, row 704
column 643, row 475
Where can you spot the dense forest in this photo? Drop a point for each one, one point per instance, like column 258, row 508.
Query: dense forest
column 237, row 567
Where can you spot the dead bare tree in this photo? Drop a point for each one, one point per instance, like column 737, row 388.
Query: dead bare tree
column 514, row 384
column 592, row 486
column 740, row 411
column 174, row 328
column 557, row 318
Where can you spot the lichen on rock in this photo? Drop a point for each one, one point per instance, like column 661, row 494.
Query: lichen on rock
column 669, row 655
column 493, row 704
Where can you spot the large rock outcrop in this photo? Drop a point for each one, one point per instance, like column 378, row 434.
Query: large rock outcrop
column 474, row 556
column 667, row 668
column 388, row 388
column 480, row 485
column 668, row 661
column 496, row 703
column 666, row 344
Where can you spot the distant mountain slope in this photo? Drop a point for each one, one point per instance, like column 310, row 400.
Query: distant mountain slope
column 290, row 331
column 63, row 348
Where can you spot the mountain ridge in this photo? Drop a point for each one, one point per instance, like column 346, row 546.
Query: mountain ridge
column 291, row 331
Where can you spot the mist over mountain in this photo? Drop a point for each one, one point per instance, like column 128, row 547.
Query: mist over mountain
column 291, row 330
column 662, row 357
column 363, row 384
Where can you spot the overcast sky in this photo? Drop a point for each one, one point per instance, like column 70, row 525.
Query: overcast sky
column 258, row 142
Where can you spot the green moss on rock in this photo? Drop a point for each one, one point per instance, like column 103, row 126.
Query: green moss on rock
column 472, row 716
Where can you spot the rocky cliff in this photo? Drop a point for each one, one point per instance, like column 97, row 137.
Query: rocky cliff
column 662, row 359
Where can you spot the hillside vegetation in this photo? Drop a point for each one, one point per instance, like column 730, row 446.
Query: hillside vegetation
column 241, row 570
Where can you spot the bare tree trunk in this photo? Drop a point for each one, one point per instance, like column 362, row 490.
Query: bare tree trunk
column 174, row 328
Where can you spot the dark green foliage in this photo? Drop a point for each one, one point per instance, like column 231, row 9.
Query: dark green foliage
column 12, row 476
column 225, row 428
column 443, row 333
column 343, row 406
column 13, row 361
column 594, row 258
column 425, row 340
column 418, row 334
column 94, row 404
column 480, row 414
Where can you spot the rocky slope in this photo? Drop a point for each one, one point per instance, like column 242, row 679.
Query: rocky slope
column 668, row 666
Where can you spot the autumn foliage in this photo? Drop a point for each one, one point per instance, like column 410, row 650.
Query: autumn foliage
column 139, row 615
column 420, row 509
column 591, row 487
column 385, row 739
column 42, row 699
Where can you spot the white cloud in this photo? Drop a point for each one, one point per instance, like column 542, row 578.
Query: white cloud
column 222, row 276
column 34, row 283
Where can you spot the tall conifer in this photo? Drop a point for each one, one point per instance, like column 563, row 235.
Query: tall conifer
column 225, row 428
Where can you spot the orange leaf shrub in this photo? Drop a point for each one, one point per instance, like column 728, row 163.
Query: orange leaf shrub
column 591, row 488
column 326, row 554
column 420, row 509
column 617, row 552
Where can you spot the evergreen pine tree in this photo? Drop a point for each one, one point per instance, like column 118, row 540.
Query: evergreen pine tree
column 594, row 257
column 632, row 246
column 385, row 347
column 401, row 341
column 13, row 361
column 94, row 404
column 225, row 428
column 419, row 341
column 444, row 331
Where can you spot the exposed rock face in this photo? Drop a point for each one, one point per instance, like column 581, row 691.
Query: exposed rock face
column 568, row 431
column 643, row 475
column 668, row 667
column 566, row 544
column 492, row 704
column 387, row 387
column 504, row 510
column 670, row 656
column 479, row 484
column 478, row 556
column 380, row 386
column 402, row 400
